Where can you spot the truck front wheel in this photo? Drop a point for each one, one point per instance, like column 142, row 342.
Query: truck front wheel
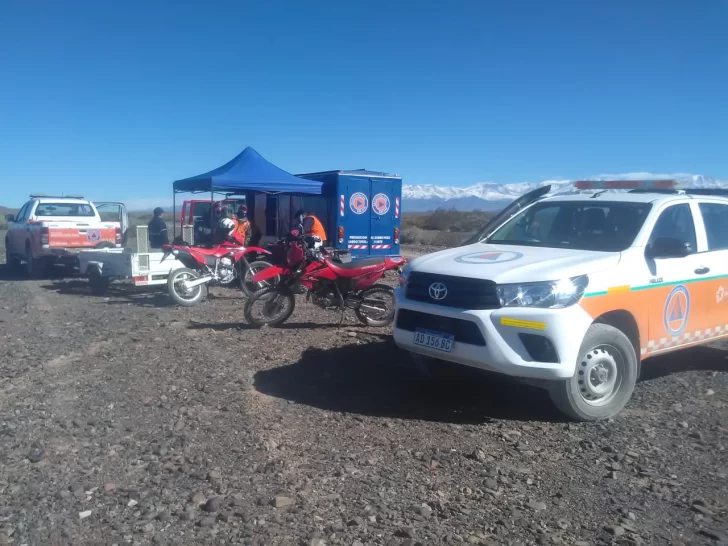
column 11, row 261
column 605, row 377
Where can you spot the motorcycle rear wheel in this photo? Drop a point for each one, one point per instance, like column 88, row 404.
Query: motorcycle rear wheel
column 373, row 296
column 278, row 305
column 185, row 298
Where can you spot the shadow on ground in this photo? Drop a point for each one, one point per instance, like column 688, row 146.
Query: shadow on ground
column 116, row 294
column 19, row 274
column 366, row 380
column 308, row 325
column 706, row 359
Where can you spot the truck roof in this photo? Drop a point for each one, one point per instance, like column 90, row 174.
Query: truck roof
column 629, row 197
column 355, row 172
column 70, row 200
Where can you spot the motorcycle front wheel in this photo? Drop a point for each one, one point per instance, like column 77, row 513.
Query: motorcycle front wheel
column 377, row 306
column 246, row 283
column 177, row 291
column 270, row 306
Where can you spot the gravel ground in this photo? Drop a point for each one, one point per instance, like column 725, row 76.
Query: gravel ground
column 124, row 420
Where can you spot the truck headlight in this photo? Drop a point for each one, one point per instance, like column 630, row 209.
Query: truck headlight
column 403, row 273
column 549, row 295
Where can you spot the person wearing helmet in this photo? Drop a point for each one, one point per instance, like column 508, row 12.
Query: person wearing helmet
column 227, row 228
column 157, row 229
column 310, row 226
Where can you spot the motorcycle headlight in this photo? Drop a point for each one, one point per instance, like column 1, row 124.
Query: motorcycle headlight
column 549, row 295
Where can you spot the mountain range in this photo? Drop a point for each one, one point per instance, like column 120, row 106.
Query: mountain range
column 485, row 196
column 494, row 196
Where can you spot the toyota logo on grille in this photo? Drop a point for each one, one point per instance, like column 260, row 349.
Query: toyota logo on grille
column 438, row 291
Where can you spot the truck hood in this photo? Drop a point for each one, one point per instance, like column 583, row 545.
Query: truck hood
column 514, row 264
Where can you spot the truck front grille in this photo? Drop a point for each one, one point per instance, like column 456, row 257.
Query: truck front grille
column 462, row 292
column 465, row 331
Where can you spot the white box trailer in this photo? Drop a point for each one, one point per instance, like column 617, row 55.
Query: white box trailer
column 140, row 266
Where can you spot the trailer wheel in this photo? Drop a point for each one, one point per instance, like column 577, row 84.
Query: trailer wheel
column 605, row 376
column 99, row 283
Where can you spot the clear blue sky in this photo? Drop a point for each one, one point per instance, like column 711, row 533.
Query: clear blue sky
column 118, row 99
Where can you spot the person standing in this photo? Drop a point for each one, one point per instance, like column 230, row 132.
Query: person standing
column 244, row 227
column 157, row 228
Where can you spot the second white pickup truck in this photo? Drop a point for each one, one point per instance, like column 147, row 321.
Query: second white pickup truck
column 49, row 230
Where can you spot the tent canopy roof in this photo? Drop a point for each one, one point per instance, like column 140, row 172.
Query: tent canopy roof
column 248, row 171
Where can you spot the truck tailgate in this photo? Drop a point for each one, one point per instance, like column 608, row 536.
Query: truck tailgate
column 72, row 234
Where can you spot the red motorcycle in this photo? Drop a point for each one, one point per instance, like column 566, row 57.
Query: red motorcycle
column 328, row 283
column 220, row 264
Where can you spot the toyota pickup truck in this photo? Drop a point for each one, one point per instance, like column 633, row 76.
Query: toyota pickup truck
column 572, row 292
column 49, row 230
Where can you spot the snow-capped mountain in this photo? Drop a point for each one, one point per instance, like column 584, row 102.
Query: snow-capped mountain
column 493, row 196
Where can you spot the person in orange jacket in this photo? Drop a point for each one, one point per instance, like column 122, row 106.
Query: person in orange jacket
column 244, row 227
column 310, row 225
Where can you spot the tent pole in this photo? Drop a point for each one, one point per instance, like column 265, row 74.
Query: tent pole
column 174, row 214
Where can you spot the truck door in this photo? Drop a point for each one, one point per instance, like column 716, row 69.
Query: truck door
column 16, row 230
column 115, row 212
column 356, row 215
column 382, row 219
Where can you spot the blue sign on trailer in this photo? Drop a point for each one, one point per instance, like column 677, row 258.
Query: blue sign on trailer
column 366, row 220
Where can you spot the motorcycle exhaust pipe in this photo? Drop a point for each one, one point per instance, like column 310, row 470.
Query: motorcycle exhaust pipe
column 197, row 282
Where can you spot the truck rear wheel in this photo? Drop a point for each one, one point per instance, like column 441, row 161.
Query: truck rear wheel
column 34, row 267
column 605, row 377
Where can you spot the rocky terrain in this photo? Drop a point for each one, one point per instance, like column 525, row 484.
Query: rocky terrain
column 124, row 420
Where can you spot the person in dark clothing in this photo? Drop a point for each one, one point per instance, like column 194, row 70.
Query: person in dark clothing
column 158, row 230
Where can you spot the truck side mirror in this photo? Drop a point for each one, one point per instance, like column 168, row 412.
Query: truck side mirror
column 668, row 247
column 10, row 217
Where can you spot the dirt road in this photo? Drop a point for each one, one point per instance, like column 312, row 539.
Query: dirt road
column 126, row 421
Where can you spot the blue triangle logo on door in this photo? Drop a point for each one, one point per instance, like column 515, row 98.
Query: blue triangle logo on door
column 677, row 310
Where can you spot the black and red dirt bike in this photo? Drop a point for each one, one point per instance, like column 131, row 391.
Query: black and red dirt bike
column 328, row 284
column 220, row 264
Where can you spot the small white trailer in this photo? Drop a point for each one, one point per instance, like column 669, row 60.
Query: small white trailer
column 140, row 266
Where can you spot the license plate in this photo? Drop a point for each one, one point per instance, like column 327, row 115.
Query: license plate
column 434, row 340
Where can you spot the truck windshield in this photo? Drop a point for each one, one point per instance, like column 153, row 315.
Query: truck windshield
column 605, row 226
column 65, row 209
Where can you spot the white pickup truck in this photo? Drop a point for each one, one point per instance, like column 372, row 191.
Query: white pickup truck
column 49, row 230
column 572, row 292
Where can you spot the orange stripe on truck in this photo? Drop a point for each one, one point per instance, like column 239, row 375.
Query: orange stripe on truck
column 669, row 315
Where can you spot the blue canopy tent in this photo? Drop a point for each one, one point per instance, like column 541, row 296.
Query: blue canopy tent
column 247, row 172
